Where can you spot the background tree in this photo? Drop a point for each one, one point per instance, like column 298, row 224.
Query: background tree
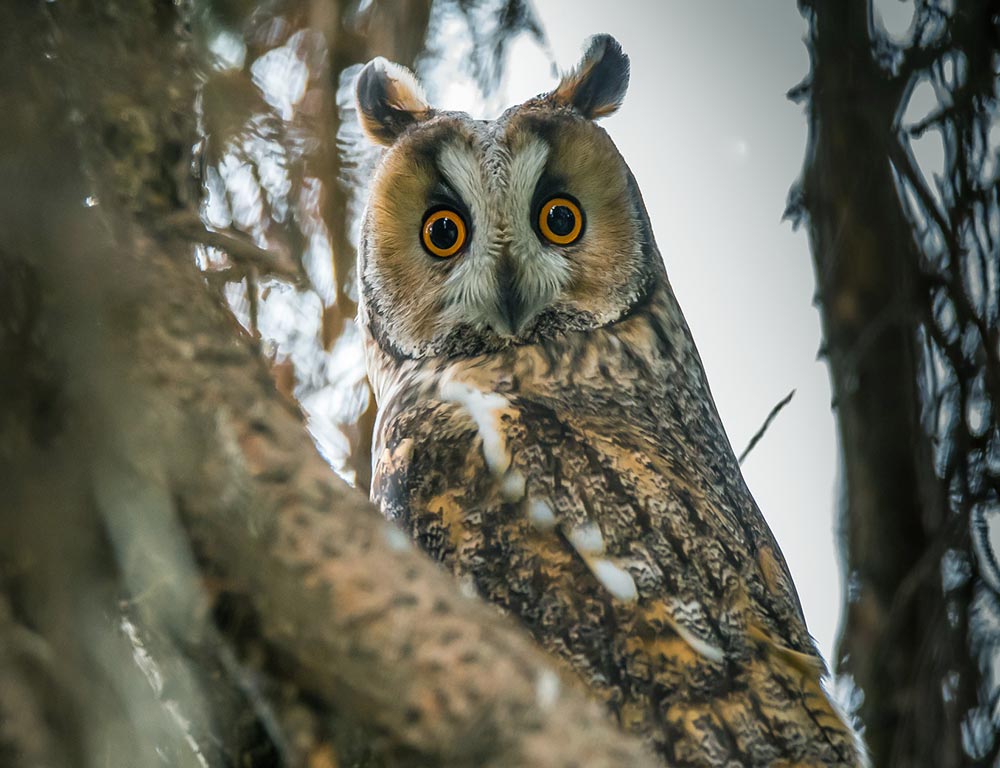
column 907, row 262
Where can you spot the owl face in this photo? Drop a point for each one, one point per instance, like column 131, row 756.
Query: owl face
column 481, row 235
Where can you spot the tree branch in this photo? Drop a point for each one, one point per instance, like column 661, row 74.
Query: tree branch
column 779, row 406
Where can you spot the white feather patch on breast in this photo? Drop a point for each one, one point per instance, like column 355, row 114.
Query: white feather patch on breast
column 541, row 515
column 587, row 539
column 512, row 486
column 484, row 408
column 616, row 580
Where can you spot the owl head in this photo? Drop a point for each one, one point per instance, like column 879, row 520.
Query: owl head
column 480, row 235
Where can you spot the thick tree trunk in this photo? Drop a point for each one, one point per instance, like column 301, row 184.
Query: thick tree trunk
column 904, row 639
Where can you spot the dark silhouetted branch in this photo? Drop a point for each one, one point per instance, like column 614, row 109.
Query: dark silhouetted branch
column 767, row 423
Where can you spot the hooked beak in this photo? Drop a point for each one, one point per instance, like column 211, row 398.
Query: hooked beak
column 513, row 311
column 517, row 306
column 511, row 305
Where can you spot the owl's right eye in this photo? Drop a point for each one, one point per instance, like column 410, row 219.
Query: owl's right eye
column 560, row 220
column 443, row 233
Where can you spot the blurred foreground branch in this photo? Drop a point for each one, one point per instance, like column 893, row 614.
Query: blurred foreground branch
column 182, row 577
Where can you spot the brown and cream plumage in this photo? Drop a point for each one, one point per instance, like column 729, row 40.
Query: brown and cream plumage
column 546, row 431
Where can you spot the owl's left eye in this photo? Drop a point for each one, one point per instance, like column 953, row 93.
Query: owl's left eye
column 443, row 233
column 560, row 220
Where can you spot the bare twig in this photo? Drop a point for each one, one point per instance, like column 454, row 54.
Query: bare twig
column 242, row 251
column 767, row 423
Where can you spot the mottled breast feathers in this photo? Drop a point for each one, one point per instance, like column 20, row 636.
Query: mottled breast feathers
column 545, row 429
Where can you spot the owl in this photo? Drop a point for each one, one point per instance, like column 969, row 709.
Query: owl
column 545, row 429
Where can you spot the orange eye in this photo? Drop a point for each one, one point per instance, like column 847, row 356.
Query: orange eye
column 560, row 220
column 443, row 233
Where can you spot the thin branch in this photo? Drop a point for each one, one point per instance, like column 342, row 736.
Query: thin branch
column 242, row 251
column 933, row 120
column 902, row 159
column 767, row 423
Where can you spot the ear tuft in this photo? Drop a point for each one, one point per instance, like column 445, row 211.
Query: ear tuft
column 390, row 100
column 596, row 87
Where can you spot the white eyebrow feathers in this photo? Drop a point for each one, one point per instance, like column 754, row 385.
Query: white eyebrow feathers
column 497, row 187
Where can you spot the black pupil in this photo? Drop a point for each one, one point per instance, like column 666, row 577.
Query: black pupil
column 444, row 233
column 561, row 220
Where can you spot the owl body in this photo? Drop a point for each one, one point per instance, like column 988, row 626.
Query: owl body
column 545, row 429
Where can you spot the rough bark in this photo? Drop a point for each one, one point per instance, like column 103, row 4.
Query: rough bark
column 904, row 639
column 863, row 254
column 187, row 579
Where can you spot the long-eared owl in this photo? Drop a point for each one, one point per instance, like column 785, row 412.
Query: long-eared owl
column 545, row 429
